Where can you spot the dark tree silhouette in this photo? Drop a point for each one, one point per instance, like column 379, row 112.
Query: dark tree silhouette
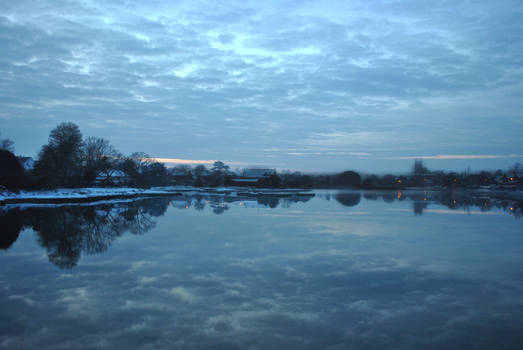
column 200, row 170
column 348, row 179
column 144, row 171
column 12, row 174
column 370, row 181
column 60, row 161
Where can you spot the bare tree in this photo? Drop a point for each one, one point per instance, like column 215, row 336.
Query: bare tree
column 101, row 159
column 7, row 145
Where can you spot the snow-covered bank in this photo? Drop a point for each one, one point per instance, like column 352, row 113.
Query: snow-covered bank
column 77, row 194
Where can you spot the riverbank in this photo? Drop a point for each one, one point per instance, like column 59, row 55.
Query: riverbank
column 77, row 195
column 81, row 195
column 96, row 194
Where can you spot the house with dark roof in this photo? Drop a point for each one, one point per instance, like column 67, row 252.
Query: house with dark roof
column 257, row 173
column 251, row 177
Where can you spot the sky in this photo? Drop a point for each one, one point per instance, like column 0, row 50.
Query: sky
column 316, row 86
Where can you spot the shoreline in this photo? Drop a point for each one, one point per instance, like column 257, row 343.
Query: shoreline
column 96, row 194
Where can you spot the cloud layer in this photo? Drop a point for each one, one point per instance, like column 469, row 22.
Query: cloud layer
column 291, row 83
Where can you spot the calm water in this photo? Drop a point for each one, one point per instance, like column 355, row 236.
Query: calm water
column 338, row 271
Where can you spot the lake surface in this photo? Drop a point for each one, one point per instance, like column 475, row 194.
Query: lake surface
column 342, row 270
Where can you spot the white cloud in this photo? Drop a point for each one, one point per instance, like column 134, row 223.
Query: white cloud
column 183, row 294
column 341, row 75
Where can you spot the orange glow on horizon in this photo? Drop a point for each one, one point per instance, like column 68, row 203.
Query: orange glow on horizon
column 182, row 161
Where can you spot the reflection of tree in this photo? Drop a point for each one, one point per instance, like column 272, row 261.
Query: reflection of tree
column 389, row 197
column 271, row 202
column 199, row 204
column 67, row 232
column 137, row 220
column 348, row 199
column 156, row 206
column 219, row 208
column 370, row 196
column 11, row 223
column 103, row 226
column 419, row 207
column 453, row 200
column 60, row 232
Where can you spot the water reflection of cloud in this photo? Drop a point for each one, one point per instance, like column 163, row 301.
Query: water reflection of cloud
column 323, row 216
column 281, row 286
column 450, row 211
column 376, row 303
column 338, row 228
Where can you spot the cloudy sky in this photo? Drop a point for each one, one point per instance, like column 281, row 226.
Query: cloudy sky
column 308, row 85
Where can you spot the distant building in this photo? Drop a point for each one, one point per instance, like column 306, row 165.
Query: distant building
column 180, row 172
column 251, row 177
column 116, row 177
column 257, row 173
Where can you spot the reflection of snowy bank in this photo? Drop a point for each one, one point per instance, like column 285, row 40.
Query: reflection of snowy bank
column 220, row 202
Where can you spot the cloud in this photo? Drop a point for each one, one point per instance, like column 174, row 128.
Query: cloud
column 225, row 81
column 183, row 294
column 458, row 156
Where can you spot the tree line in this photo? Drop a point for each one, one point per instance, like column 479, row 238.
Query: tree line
column 69, row 160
